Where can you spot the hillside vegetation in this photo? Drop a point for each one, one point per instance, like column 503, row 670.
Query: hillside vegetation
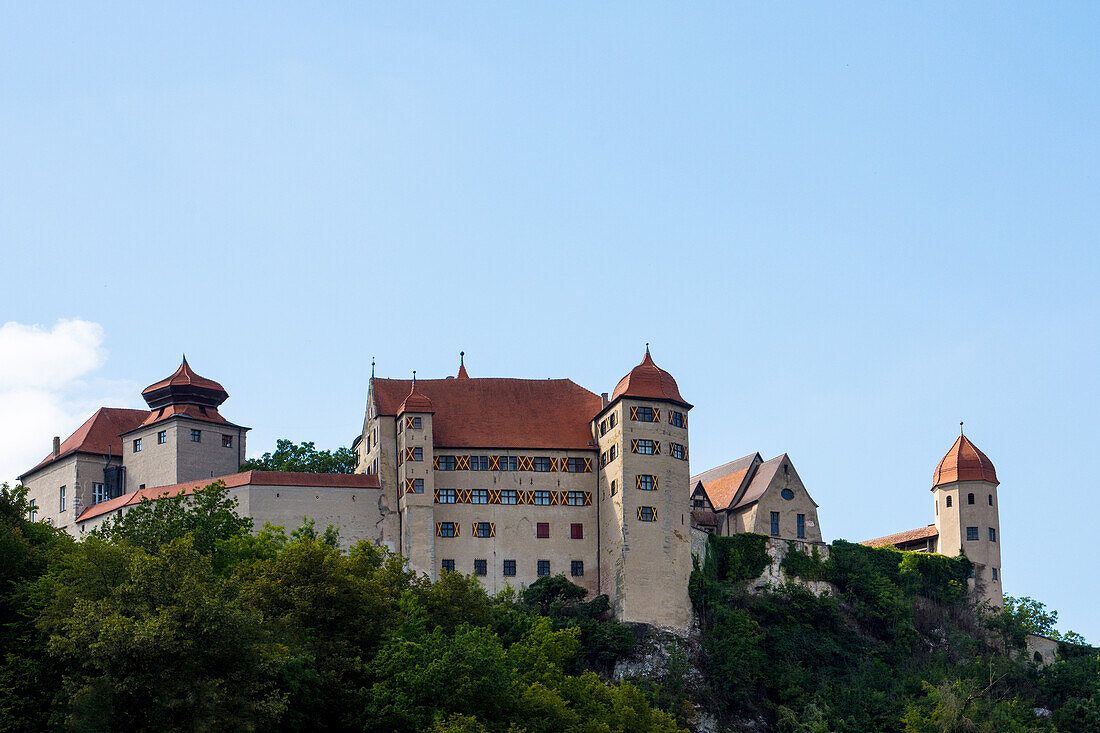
column 176, row 617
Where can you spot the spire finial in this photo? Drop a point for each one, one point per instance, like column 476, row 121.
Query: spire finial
column 414, row 379
column 647, row 347
column 372, row 367
column 462, row 358
column 961, row 428
column 184, row 359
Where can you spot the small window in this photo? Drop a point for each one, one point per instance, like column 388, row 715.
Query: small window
column 996, row 575
column 34, row 511
column 542, row 498
column 448, row 496
column 542, row 530
column 800, row 526
column 418, row 454
column 541, row 464
column 61, row 499
column 576, row 568
column 603, row 428
column 137, row 445
column 969, row 498
column 481, row 567
column 971, row 533
column 991, row 500
column 647, row 482
column 508, row 463
column 446, row 463
column 483, row 529
column 227, row 441
column 544, row 568
column 775, row 524
column 196, row 436
column 698, row 504
column 447, row 565
column 678, row 451
column 418, row 486
column 509, row 496
column 644, row 447
column 647, row 514
column 162, row 437
column 612, row 453
column 509, row 567
column 612, row 420
column 949, row 502
column 576, row 531
column 642, row 414
column 417, row 423
column 578, row 465
column 479, row 463
column 614, row 486
column 992, row 535
column 787, row 494
column 574, row 498
column 446, row 529
column 479, row 496
column 676, row 418
column 99, row 493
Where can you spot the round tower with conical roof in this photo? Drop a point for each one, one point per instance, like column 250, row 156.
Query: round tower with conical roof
column 964, row 489
column 645, row 548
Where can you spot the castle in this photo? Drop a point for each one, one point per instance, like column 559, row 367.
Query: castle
column 505, row 479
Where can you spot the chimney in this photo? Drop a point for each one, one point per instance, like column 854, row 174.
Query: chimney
column 603, row 396
column 56, row 446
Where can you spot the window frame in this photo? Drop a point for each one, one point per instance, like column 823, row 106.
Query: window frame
column 481, row 567
column 972, row 534
column 479, row 496
column 447, row 565
column 196, row 435
column 542, row 530
column 162, row 437
column 227, row 440
column 508, row 568
column 137, row 445
column 576, row 530
column 448, row 496
column 512, row 494
column 576, row 568
column 775, row 526
column 800, row 526
column 542, row 568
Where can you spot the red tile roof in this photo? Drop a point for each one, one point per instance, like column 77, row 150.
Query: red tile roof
column 245, row 478
column 901, row 538
column 195, row 412
column 650, row 382
column 964, row 462
column 416, row 401
column 99, row 435
column 761, row 480
column 185, row 376
column 722, row 484
column 500, row 413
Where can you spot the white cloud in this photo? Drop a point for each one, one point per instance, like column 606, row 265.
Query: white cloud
column 42, row 387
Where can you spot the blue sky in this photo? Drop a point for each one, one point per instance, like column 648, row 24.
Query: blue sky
column 843, row 228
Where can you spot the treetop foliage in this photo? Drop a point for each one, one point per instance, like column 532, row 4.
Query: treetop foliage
column 303, row 458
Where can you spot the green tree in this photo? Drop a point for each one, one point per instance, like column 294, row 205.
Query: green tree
column 303, row 457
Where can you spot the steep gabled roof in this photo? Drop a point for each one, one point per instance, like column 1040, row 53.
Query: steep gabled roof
column 498, row 412
column 901, row 538
column 724, row 483
column 99, row 435
column 761, row 480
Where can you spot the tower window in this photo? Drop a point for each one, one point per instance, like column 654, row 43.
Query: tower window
column 418, row 486
column 484, row 529
column 969, row 498
column 676, row 419
column 543, row 568
column 971, row 533
column 775, row 524
column 642, row 414
column 446, row 529
column 612, row 420
column 992, row 535
column 227, row 441
column 576, row 531
column 996, row 574
column 509, row 567
column 644, row 447
column 678, row 451
column 603, row 428
column 137, row 445
column 612, row 452
column 447, row 565
column 646, row 482
column 647, row 514
column 949, row 502
column 417, row 423
column 801, row 526
column 542, row 530
column 576, row 568
column 196, row 436
column 614, row 487
column 480, row 567
column 418, row 454
column 991, row 500
column 162, row 437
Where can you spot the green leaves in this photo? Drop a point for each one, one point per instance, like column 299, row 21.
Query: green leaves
column 303, row 457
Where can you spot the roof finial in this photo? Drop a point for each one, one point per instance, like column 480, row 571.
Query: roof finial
column 414, row 379
column 462, row 358
column 184, row 359
column 647, row 347
column 961, row 428
column 372, row 367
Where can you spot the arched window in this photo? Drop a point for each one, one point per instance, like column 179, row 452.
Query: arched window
column 949, row 502
column 969, row 498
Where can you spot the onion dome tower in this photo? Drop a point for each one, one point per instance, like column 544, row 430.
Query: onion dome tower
column 964, row 488
column 184, row 387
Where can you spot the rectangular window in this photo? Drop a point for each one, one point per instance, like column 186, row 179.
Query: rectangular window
column 162, row 437
column 196, row 436
column 446, row 529
column 446, row 463
column 991, row 500
column 227, row 441
column 479, row 463
column 480, row 567
column 544, row 568
column 579, row 465
column 417, row 423
column 576, row 568
column 418, row 486
column 647, row 514
column 509, row 496
column 483, row 529
column 992, row 535
column 99, row 493
column 575, row 498
column 418, row 454
column 676, row 418
column 542, row 498
column 644, row 447
column 646, row 482
column 801, row 526
column 509, row 567
column 542, row 530
column 642, row 414
column 614, row 486
column 971, row 533
column 612, row 419
column 603, row 459
column 603, row 428
column 775, row 524
column 479, row 496
column 34, row 514
column 541, row 464
column 677, row 451
column 576, row 531
column 137, row 445
column 448, row 496
column 995, row 573
column 447, row 565
column 508, row 463
column 61, row 499
column 698, row 504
